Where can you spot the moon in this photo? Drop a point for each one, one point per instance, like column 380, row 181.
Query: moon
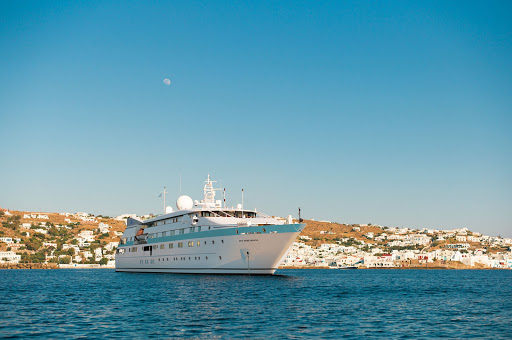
column 167, row 81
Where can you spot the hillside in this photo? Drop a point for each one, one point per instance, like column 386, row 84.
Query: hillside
column 38, row 237
column 31, row 237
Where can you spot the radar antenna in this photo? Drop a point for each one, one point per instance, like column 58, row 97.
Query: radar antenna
column 209, row 192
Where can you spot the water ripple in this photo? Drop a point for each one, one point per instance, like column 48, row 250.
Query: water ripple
column 294, row 304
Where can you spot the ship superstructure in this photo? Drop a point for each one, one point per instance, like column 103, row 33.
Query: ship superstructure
column 206, row 237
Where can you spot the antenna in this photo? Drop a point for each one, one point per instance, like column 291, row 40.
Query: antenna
column 242, row 200
column 300, row 219
column 180, row 185
column 163, row 193
column 224, row 197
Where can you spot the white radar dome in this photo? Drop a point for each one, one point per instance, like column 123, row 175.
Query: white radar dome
column 239, row 206
column 168, row 209
column 184, row 202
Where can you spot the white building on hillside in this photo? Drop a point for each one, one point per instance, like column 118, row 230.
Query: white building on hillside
column 87, row 235
column 9, row 256
column 104, row 227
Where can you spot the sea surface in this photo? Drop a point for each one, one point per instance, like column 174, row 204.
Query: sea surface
column 329, row 304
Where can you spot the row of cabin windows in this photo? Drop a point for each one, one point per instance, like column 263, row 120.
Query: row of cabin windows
column 174, row 232
column 191, row 243
column 167, row 233
column 183, row 258
column 169, row 221
column 171, row 245
column 238, row 214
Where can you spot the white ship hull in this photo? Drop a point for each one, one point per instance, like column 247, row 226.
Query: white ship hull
column 242, row 253
column 206, row 238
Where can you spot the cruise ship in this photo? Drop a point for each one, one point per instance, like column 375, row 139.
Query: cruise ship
column 206, row 237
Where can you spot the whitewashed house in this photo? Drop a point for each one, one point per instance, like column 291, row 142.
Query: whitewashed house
column 9, row 257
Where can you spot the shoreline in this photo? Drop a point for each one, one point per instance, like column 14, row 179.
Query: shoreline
column 97, row 266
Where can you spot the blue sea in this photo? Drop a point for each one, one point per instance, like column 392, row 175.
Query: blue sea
column 328, row 304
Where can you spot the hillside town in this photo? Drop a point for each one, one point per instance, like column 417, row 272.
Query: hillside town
column 327, row 244
column 65, row 239
column 83, row 240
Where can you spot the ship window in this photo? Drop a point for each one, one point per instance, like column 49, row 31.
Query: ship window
column 207, row 257
column 189, row 258
column 172, row 232
column 213, row 242
column 222, row 241
column 198, row 229
column 205, row 242
column 198, row 243
column 220, row 257
column 182, row 231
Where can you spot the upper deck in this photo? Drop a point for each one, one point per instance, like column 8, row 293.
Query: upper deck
column 196, row 216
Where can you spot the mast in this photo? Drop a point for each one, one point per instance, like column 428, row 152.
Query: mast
column 209, row 193
column 164, row 192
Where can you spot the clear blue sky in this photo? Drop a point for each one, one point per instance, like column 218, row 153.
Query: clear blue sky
column 395, row 113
